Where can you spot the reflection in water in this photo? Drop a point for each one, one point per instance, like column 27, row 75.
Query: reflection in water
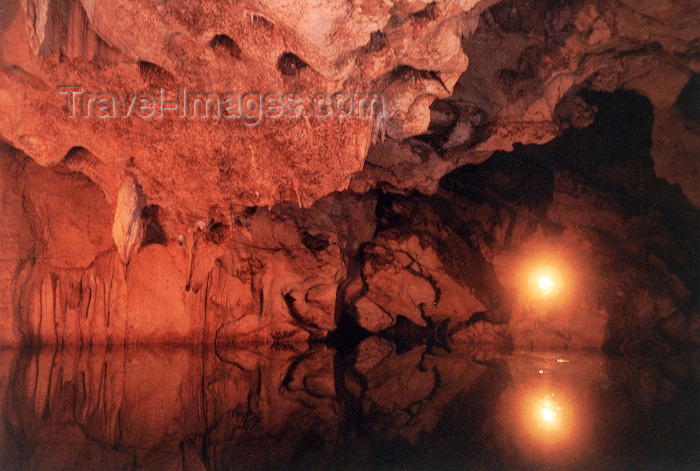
column 548, row 414
column 195, row 409
column 553, row 404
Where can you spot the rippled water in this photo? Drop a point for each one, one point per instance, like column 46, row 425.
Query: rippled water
column 194, row 409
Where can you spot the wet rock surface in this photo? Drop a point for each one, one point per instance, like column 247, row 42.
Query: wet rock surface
column 588, row 204
column 265, row 276
column 415, row 268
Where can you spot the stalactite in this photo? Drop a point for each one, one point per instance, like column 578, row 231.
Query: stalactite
column 127, row 229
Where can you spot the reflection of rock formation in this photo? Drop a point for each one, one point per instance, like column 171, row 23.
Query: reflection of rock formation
column 229, row 409
column 99, row 408
column 238, row 408
column 622, row 413
column 156, row 409
column 378, row 408
column 402, row 395
column 268, row 411
column 545, row 417
column 650, row 410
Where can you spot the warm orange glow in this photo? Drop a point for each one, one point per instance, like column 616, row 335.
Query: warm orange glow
column 548, row 413
column 545, row 281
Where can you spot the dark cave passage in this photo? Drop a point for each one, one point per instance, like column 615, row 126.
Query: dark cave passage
column 642, row 242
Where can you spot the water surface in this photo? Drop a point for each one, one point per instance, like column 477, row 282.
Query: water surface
column 375, row 408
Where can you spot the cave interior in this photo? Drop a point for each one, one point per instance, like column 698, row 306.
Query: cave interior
column 497, row 268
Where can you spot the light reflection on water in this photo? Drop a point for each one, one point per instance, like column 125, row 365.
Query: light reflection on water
column 194, row 409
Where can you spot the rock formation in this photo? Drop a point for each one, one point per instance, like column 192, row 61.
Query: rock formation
column 494, row 141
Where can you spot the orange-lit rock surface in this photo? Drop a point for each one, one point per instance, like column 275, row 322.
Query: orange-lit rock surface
column 281, row 230
column 198, row 166
column 273, row 277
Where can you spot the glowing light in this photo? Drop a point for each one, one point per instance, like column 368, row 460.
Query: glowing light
column 545, row 284
column 549, row 426
column 548, row 414
column 545, row 281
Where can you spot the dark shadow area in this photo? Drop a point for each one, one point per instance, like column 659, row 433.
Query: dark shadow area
column 153, row 232
column 644, row 235
column 222, row 43
column 290, row 64
column 689, row 99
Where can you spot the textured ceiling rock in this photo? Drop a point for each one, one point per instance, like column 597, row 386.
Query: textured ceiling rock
column 410, row 51
column 524, row 59
column 527, row 61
